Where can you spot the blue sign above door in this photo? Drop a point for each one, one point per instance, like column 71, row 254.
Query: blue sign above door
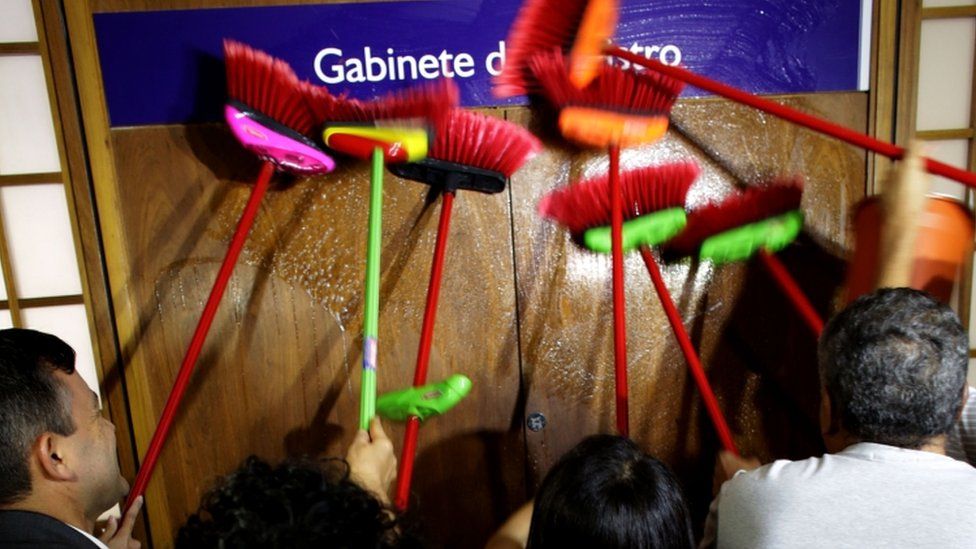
column 165, row 67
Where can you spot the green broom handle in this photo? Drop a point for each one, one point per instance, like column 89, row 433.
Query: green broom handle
column 367, row 399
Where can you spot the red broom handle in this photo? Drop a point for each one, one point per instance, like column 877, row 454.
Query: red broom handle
column 200, row 335
column 619, row 312
column 694, row 364
column 408, row 453
column 792, row 115
column 792, row 290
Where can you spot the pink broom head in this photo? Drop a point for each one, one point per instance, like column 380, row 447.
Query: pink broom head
column 267, row 85
column 267, row 112
column 429, row 102
column 622, row 107
column 754, row 204
column 586, row 204
column 581, row 27
column 476, row 140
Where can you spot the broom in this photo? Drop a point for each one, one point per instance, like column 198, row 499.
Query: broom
column 470, row 152
column 760, row 220
column 581, row 207
column 383, row 130
column 542, row 25
column 268, row 115
column 786, row 113
column 618, row 108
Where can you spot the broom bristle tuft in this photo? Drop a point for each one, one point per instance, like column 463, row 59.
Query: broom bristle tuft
column 613, row 89
column 432, row 102
column 541, row 25
column 753, row 204
column 481, row 141
column 267, row 85
column 586, row 204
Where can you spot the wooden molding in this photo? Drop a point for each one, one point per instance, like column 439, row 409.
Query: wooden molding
column 19, row 48
column 950, row 12
column 73, row 88
column 12, row 180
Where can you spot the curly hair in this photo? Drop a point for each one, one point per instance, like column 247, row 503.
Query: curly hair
column 299, row 503
column 894, row 364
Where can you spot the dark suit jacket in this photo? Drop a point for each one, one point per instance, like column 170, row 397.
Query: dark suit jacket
column 22, row 529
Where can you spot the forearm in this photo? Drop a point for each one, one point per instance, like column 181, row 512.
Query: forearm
column 514, row 534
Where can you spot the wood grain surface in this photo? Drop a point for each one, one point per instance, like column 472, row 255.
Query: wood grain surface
column 279, row 374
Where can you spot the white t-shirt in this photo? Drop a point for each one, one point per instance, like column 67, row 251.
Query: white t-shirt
column 868, row 495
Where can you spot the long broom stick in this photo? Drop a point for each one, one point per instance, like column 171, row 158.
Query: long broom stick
column 792, row 115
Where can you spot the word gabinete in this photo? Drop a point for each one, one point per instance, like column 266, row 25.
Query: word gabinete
column 331, row 67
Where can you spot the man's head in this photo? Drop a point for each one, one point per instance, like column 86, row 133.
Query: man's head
column 893, row 366
column 55, row 446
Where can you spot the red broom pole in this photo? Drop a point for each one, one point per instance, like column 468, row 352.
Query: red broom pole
column 792, row 290
column 694, row 364
column 200, row 334
column 792, row 115
column 409, row 450
column 619, row 311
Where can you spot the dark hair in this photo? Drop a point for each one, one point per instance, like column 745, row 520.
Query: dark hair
column 299, row 503
column 894, row 364
column 607, row 493
column 32, row 402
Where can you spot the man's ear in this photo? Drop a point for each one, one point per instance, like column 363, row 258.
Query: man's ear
column 829, row 425
column 50, row 452
column 965, row 398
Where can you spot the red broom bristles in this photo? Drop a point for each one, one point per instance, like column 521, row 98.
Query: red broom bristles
column 586, row 204
column 267, row 85
column 431, row 102
column 754, row 204
column 614, row 89
column 480, row 141
column 541, row 25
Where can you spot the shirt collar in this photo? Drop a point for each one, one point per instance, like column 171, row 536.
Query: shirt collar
column 883, row 452
column 98, row 543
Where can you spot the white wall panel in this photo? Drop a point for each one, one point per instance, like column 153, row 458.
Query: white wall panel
column 950, row 151
column 945, row 73
column 17, row 21
column 27, row 143
column 70, row 324
column 42, row 251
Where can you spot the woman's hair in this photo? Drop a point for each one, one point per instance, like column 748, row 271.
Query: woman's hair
column 297, row 504
column 607, row 493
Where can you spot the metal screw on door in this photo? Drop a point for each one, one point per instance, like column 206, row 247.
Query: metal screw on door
column 535, row 422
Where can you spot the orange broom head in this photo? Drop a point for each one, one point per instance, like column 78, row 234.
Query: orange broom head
column 620, row 107
column 541, row 25
column 585, row 205
column 267, row 85
column 754, row 204
column 596, row 29
column 429, row 103
column 472, row 151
